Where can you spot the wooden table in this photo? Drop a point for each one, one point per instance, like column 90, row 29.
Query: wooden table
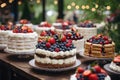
column 10, row 67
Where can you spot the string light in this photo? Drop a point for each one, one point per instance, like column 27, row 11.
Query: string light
column 55, row 2
column 83, row 7
column 108, row 7
column 77, row 7
column 87, row 7
column 73, row 3
column 96, row 5
column 10, row 1
column 93, row 9
column 68, row 7
column 3, row 5
column 19, row 2
column 38, row 1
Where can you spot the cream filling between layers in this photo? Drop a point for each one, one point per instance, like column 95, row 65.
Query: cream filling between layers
column 47, row 60
column 54, row 54
column 114, row 67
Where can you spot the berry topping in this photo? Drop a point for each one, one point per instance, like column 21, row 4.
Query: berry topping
column 57, row 49
column 22, row 29
column 51, row 40
column 80, row 70
column 24, row 21
column 97, row 68
column 48, row 45
column 93, row 77
column 5, row 27
column 100, row 39
column 43, row 33
column 44, row 24
column 68, row 45
column 63, row 39
column 87, row 72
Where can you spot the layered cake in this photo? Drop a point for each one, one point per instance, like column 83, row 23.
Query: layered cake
column 87, row 29
column 42, row 27
column 76, row 38
column 62, row 27
column 115, row 64
column 99, row 46
column 55, row 52
column 4, row 31
column 22, row 40
column 90, row 73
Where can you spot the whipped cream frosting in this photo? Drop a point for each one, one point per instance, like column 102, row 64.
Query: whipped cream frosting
column 114, row 67
column 54, row 54
column 47, row 60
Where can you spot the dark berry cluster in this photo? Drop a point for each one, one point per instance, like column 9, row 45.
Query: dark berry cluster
column 56, row 43
column 73, row 35
column 100, row 39
column 48, row 33
column 87, row 24
column 91, row 73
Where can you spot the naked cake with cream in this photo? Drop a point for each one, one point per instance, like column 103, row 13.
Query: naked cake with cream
column 99, row 46
column 55, row 52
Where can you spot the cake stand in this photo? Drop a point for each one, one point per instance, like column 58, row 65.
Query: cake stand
column 107, row 68
column 21, row 55
column 34, row 66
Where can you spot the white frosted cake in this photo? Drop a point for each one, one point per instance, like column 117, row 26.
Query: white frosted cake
column 87, row 29
column 55, row 53
column 4, row 31
column 76, row 38
column 22, row 40
column 115, row 64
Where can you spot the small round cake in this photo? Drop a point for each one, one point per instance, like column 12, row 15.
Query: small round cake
column 90, row 73
column 61, row 27
column 76, row 38
column 55, row 52
column 22, row 40
column 99, row 46
column 115, row 64
column 87, row 29
column 43, row 26
column 4, row 31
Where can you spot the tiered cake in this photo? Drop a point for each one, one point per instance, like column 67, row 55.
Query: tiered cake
column 55, row 52
column 22, row 40
column 99, row 46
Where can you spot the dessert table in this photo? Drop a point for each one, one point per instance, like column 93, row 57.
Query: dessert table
column 14, row 68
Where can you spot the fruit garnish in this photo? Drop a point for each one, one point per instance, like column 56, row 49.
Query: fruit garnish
column 51, row 40
column 63, row 38
column 48, row 45
column 23, row 21
column 97, row 68
column 57, row 49
column 73, row 29
column 80, row 70
column 43, row 33
column 87, row 72
column 93, row 77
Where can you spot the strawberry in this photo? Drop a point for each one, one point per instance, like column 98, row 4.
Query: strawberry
column 116, row 59
column 73, row 29
column 43, row 33
column 53, row 32
column 93, row 77
column 70, row 41
column 103, row 71
column 97, row 68
column 77, row 34
column 30, row 30
column 87, row 73
column 15, row 31
column 24, row 27
column 80, row 70
column 63, row 39
column 57, row 49
column 48, row 45
column 69, row 34
column 68, row 45
column 106, row 42
column 51, row 40
column 105, row 37
column 2, row 27
column 65, row 24
column 77, row 75
column 40, row 40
